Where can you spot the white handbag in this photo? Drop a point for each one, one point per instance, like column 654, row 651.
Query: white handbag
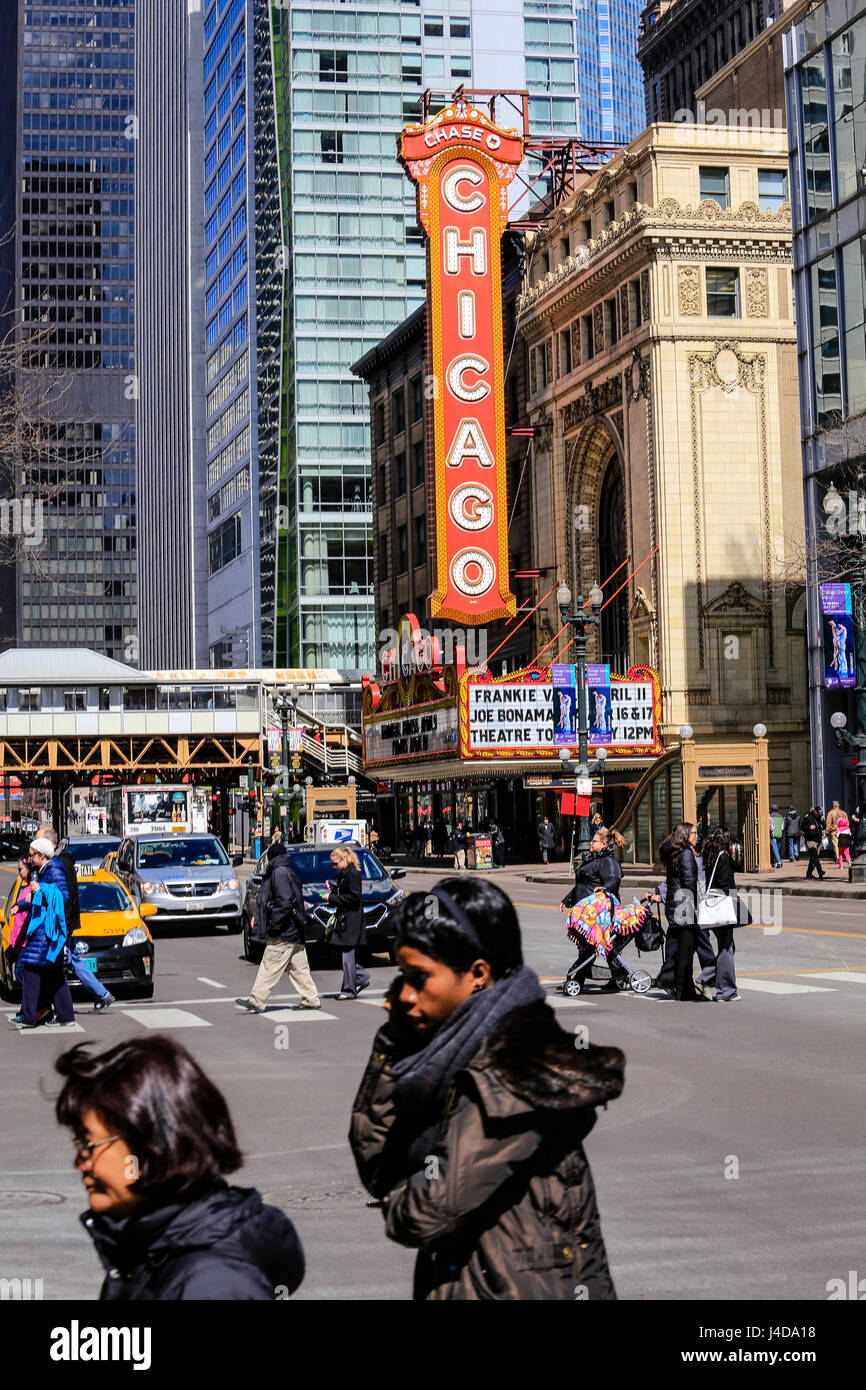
column 715, row 908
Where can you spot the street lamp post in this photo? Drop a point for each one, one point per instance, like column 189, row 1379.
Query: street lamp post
column 579, row 622
column 857, row 871
column 285, row 703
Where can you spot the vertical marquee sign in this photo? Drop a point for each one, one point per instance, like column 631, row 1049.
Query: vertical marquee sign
column 463, row 164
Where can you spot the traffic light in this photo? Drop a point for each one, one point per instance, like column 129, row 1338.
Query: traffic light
column 231, row 810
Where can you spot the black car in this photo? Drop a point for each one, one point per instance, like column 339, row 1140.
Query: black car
column 312, row 866
column 14, row 846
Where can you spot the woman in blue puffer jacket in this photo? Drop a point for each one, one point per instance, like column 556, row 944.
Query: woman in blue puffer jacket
column 41, row 966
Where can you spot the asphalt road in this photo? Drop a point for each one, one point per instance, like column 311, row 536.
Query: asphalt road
column 731, row 1168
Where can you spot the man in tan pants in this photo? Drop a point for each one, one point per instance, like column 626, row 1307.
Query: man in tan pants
column 830, row 827
column 281, row 918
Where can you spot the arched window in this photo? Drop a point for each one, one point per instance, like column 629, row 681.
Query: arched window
column 612, row 550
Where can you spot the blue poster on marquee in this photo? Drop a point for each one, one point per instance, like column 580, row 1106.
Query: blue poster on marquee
column 598, row 694
column 564, row 705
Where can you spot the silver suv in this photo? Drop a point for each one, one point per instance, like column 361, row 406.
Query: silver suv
column 184, row 876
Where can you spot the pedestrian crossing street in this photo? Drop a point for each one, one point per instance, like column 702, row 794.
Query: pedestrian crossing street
column 167, row 1017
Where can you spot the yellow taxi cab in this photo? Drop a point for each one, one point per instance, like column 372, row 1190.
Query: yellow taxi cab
column 113, row 940
column 109, row 861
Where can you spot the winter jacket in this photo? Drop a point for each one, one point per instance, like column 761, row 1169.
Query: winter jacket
column 505, row 1206
column 681, row 889
column 346, row 897
column 792, row 825
column 546, row 834
column 279, row 913
column 46, row 930
column 813, row 829
column 598, row 869
column 54, row 872
column 225, row 1244
column 21, row 913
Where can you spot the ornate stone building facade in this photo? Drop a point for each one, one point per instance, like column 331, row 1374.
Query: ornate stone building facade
column 661, row 356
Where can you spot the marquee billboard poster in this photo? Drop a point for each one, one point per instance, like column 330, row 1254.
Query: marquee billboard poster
column 462, row 165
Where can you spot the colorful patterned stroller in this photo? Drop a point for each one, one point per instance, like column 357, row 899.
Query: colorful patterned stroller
column 599, row 921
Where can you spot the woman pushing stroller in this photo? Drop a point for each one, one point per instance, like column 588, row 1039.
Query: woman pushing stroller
column 600, row 870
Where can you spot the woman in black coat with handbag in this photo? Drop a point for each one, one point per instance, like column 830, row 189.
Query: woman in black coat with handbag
column 681, row 907
column 349, row 933
column 718, row 859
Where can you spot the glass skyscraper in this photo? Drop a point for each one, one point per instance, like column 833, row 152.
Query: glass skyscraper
column 73, row 233
column 313, row 254
column 609, row 75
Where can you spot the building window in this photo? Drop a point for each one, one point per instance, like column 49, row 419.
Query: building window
column 383, row 485
column 632, row 193
column 611, row 328
column 715, row 183
column 398, row 412
column 380, row 423
column 420, row 540
column 587, row 346
column 634, row 305
column 723, row 292
column 459, row 28
column 74, row 700
column 402, row 549
column 400, row 475
column 332, row 146
column 30, row 700
column 417, row 400
column 419, row 464
column 224, row 544
column 433, row 27
column 104, row 697
column 772, row 189
column 564, row 353
column 609, row 212
column 586, row 225
column 460, row 66
column 564, row 249
column 383, row 556
column 333, row 66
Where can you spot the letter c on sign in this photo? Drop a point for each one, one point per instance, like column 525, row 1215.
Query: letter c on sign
column 471, row 507
column 455, row 378
column 465, row 173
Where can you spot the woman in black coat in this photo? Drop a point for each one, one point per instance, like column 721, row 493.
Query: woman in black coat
column 717, row 855
column 469, row 1122
column 153, row 1140
column 681, row 907
column 349, row 932
column 599, row 869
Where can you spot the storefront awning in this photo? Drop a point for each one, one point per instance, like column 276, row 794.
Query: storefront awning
column 453, row 770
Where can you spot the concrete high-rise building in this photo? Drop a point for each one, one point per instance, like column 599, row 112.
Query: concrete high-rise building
column 69, row 147
column 313, row 255
column 169, row 337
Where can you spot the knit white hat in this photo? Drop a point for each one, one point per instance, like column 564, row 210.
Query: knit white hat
column 43, row 846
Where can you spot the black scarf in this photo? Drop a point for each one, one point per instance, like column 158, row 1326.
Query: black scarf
column 424, row 1079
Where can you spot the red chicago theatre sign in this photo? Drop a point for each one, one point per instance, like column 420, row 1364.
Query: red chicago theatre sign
column 463, row 164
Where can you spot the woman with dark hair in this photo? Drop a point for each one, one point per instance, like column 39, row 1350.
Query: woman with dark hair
column 681, row 907
column 600, row 868
column 717, row 854
column 153, row 1140
column 469, row 1121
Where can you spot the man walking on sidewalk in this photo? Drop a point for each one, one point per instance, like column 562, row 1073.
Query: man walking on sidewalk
column 792, row 830
column 546, row 837
column 280, row 921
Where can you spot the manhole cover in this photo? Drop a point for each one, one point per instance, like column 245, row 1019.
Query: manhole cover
column 314, row 1195
column 30, row 1199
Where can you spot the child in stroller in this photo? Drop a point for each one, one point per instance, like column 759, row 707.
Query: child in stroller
column 600, row 926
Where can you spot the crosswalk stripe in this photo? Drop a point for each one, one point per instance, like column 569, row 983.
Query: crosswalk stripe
column 781, row 987
column 853, row 977
column 571, row 1003
column 203, row 980
column 165, row 1018
column 299, row 1016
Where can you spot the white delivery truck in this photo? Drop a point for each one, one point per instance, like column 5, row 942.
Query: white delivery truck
column 333, row 832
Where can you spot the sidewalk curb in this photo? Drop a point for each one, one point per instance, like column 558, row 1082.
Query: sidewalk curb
column 794, row 890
